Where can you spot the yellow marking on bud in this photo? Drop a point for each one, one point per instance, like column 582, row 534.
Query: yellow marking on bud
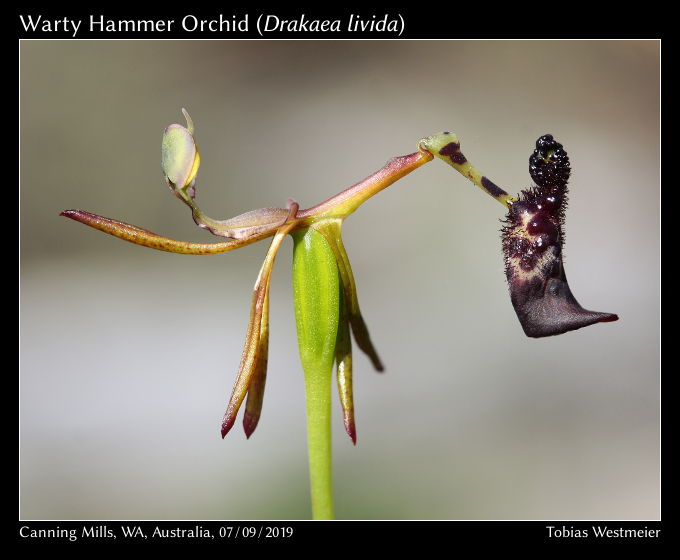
column 194, row 169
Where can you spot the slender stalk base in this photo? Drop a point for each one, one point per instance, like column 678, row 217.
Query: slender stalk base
column 318, row 392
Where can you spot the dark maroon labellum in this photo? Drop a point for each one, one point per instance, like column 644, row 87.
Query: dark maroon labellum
column 532, row 246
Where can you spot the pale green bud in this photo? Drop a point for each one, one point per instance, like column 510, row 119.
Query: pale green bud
column 179, row 155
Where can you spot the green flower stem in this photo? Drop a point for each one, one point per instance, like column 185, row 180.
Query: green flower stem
column 316, row 290
column 318, row 392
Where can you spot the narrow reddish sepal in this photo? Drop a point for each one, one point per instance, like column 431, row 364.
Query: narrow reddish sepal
column 252, row 370
column 253, row 411
column 250, row 423
column 351, row 430
column 227, row 423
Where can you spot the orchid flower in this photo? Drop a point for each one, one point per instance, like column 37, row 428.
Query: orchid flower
column 532, row 237
column 326, row 303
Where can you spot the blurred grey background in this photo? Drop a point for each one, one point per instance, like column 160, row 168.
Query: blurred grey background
column 128, row 355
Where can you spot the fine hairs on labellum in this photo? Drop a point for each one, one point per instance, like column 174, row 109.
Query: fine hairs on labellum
column 533, row 237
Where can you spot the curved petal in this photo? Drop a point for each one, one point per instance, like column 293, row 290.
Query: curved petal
column 146, row 238
column 245, row 225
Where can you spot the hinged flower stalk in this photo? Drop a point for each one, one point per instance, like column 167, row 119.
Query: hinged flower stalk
column 325, row 295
